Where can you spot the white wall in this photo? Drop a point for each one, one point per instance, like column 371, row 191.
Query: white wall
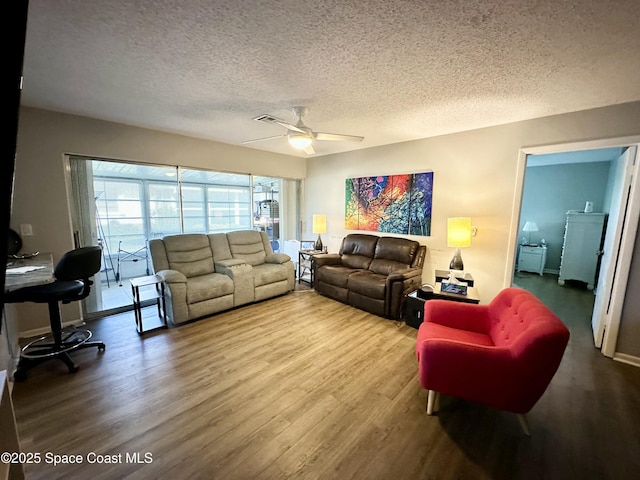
column 40, row 192
column 475, row 175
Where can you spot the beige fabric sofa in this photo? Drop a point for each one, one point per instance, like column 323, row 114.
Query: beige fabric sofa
column 209, row 273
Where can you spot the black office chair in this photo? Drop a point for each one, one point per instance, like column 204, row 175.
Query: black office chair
column 72, row 283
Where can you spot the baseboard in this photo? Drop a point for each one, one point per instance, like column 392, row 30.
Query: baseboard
column 628, row 359
column 38, row 332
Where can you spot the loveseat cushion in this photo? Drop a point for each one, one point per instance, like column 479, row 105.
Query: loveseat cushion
column 393, row 254
column 189, row 254
column 358, row 250
column 268, row 273
column 206, row 287
column 248, row 246
column 335, row 275
column 368, row 283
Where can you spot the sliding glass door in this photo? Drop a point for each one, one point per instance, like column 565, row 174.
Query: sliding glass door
column 121, row 206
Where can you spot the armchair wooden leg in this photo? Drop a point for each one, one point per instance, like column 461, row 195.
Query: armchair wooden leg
column 524, row 423
column 433, row 402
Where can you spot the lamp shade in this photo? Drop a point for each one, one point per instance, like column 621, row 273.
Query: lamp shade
column 459, row 232
column 299, row 140
column 530, row 226
column 319, row 223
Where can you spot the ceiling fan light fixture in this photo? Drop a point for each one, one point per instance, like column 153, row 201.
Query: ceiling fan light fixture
column 299, row 140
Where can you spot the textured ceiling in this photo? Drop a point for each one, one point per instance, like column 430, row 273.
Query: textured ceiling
column 389, row 70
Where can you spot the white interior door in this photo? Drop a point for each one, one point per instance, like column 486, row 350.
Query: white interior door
column 611, row 248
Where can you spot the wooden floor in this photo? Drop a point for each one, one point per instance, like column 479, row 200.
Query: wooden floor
column 304, row 387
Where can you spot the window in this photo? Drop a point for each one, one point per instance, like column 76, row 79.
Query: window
column 122, row 206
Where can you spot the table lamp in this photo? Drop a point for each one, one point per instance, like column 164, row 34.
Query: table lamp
column 319, row 226
column 529, row 227
column 458, row 236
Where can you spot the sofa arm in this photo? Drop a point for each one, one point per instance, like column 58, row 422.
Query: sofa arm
column 172, row 276
column 462, row 316
column 176, row 292
column 321, row 259
column 399, row 284
column 278, row 258
column 406, row 274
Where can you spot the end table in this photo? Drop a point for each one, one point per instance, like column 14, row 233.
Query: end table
column 414, row 304
column 157, row 294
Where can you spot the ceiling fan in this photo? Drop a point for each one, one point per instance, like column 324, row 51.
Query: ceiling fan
column 299, row 135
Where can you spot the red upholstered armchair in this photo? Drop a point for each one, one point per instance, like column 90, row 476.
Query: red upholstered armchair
column 503, row 354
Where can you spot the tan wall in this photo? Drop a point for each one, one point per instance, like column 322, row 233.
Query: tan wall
column 474, row 175
column 40, row 192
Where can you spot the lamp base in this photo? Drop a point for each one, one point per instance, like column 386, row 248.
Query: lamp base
column 456, row 261
column 318, row 245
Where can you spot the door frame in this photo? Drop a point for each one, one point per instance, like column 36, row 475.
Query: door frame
column 627, row 240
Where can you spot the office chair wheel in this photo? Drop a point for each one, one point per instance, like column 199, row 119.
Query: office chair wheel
column 102, row 348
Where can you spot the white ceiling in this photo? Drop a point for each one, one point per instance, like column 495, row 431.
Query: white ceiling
column 389, row 70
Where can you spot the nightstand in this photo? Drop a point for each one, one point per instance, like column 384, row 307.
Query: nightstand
column 532, row 258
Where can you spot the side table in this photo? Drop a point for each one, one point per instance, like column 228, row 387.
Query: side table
column 305, row 266
column 156, row 293
column 414, row 302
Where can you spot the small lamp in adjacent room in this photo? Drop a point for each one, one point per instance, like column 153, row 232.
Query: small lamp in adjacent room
column 529, row 227
column 458, row 236
column 319, row 227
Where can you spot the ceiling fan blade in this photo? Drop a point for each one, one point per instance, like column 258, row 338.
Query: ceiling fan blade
column 334, row 137
column 262, row 139
column 309, row 150
column 290, row 127
column 266, row 118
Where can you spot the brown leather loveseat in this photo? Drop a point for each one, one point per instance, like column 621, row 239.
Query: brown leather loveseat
column 370, row 272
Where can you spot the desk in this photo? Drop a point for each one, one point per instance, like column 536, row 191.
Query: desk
column 43, row 273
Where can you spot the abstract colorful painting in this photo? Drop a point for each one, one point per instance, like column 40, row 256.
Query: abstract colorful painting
column 390, row 203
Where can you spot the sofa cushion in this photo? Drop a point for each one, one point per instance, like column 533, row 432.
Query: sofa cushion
column 358, row 250
column 205, row 287
column 335, row 275
column 368, row 283
column 189, row 254
column 248, row 246
column 393, row 254
column 269, row 273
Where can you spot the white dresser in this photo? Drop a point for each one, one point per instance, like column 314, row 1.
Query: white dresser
column 532, row 258
column 582, row 247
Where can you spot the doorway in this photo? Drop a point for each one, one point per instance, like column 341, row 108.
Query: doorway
column 597, row 162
